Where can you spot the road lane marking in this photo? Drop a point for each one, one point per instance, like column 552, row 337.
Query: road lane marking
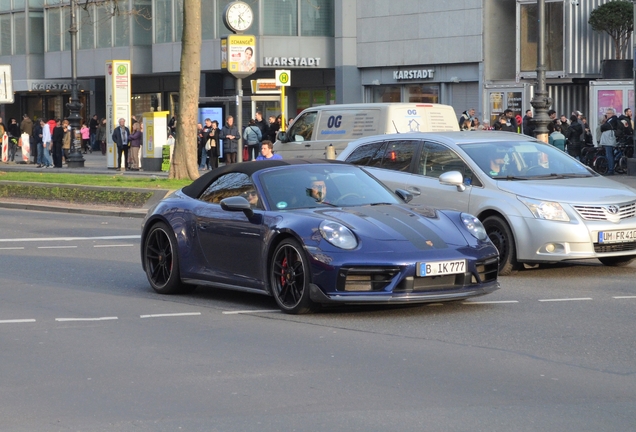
column 565, row 299
column 17, row 321
column 490, row 302
column 624, row 297
column 170, row 315
column 115, row 245
column 69, row 238
column 250, row 311
column 86, row 319
column 13, row 248
column 57, row 247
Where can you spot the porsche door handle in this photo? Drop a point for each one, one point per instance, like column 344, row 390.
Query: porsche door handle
column 414, row 190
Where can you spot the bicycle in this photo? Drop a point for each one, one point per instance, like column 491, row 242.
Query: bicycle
column 601, row 164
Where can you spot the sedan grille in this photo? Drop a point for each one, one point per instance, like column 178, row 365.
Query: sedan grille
column 614, row 247
column 612, row 213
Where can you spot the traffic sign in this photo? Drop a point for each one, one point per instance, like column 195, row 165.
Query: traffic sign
column 283, row 78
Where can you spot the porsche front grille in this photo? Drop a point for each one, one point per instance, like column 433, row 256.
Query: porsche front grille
column 366, row 279
column 486, row 270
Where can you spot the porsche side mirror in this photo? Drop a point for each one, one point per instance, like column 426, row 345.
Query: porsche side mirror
column 453, row 178
column 406, row 196
column 236, row 204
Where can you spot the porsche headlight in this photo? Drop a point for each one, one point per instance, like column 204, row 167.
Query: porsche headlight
column 547, row 210
column 474, row 225
column 338, row 235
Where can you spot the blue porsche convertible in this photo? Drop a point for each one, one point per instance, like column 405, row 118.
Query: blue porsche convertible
column 312, row 233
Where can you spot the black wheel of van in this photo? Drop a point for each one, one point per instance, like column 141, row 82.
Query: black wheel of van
column 501, row 236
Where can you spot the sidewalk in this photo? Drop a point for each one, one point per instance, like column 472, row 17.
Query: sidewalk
column 94, row 164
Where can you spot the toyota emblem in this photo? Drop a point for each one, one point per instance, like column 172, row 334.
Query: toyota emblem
column 612, row 209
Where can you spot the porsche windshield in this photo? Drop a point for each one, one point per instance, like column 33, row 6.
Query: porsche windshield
column 310, row 186
column 524, row 160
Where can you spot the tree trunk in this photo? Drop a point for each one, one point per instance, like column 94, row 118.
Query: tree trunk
column 184, row 161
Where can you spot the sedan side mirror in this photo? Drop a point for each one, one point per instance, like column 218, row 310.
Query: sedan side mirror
column 406, row 196
column 282, row 136
column 453, row 178
column 237, row 203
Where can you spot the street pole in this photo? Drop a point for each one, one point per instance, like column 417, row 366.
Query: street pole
column 75, row 159
column 634, row 78
column 239, row 118
column 540, row 101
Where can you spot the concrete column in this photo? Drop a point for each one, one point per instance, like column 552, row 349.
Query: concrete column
column 348, row 82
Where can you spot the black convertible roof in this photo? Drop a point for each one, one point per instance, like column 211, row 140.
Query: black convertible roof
column 197, row 187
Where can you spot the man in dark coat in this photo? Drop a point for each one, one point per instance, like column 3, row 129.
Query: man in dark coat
column 57, row 137
column 529, row 125
column 120, row 137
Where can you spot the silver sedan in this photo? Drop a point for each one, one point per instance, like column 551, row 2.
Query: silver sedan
column 538, row 204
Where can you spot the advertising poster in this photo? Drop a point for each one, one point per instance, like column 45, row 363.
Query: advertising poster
column 609, row 99
column 241, row 55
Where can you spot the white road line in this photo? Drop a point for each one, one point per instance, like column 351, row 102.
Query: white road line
column 624, row 297
column 250, row 311
column 565, row 299
column 12, row 248
column 490, row 302
column 17, row 321
column 86, row 319
column 69, row 238
column 119, row 245
column 57, row 247
column 170, row 315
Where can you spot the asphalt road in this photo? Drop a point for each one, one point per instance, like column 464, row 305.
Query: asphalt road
column 87, row 346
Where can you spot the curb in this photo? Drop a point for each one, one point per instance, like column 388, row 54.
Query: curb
column 98, row 211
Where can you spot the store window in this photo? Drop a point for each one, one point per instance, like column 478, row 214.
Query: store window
column 86, row 27
column 5, row 34
column 178, row 24
column 207, row 21
column 529, row 37
column 53, row 29
column 142, row 22
column 36, row 30
column 316, row 18
column 104, row 28
column 280, row 17
column 19, row 33
column 423, row 93
column 122, row 30
column 66, row 24
column 5, row 5
column 386, row 94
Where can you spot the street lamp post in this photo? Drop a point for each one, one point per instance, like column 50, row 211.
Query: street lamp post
column 540, row 101
column 75, row 159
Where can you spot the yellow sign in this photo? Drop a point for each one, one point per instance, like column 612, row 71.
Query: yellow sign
column 240, row 54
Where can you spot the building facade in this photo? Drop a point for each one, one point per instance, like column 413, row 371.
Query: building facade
column 469, row 54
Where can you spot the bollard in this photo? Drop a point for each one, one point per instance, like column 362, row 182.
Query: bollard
column 330, row 152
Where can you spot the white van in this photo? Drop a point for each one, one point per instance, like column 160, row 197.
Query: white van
column 314, row 129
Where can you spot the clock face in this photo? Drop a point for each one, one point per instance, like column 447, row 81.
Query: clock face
column 238, row 16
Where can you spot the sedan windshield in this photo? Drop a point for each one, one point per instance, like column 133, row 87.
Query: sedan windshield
column 310, row 186
column 524, row 160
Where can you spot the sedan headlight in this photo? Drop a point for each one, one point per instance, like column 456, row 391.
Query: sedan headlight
column 474, row 225
column 547, row 210
column 338, row 235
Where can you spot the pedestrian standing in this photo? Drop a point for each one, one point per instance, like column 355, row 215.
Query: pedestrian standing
column 57, row 138
column 100, row 137
column 37, row 141
column 86, row 138
column 46, row 160
column 252, row 137
column 135, row 139
column 573, row 134
column 93, row 125
column 230, row 136
column 120, row 137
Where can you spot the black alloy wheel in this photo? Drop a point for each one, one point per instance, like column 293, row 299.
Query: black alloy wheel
column 161, row 261
column 501, row 236
column 289, row 278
